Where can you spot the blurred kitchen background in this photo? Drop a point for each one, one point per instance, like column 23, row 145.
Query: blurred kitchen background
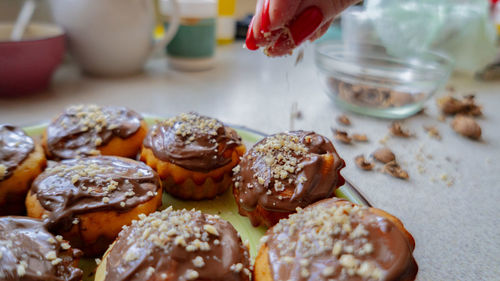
column 10, row 8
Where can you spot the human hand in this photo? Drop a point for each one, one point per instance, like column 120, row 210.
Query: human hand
column 281, row 25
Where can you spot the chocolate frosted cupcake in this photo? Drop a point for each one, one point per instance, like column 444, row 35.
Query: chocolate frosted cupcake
column 29, row 252
column 283, row 172
column 193, row 154
column 88, row 200
column 337, row 240
column 21, row 160
column 176, row 245
column 89, row 130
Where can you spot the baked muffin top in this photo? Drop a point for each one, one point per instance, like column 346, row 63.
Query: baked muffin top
column 288, row 170
column 334, row 239
column 192, row 141
column 180, row 245
column 91, row 184
column 80, row 129
column 29, row 252
column 15, row 146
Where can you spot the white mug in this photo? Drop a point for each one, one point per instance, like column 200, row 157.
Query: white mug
column 111, row 37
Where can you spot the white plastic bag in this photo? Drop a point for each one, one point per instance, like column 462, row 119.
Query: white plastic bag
column 462, row 29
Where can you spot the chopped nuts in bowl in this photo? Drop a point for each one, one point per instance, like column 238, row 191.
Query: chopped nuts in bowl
column 369, row 80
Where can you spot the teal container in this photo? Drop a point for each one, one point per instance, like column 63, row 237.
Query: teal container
column 193, row 47
column 194, row 39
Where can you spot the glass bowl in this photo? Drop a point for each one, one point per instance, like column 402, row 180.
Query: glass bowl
column 368, row 80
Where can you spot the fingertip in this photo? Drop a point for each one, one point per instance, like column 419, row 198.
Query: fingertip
column 250, row 41
column 265, row 17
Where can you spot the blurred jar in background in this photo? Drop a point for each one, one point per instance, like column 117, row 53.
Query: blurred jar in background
column 193, row 47
column 461, row 29
column 226, row 22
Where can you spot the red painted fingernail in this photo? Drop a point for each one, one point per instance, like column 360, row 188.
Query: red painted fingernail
column 250, row 41
column 265, row 19
column 305, row 24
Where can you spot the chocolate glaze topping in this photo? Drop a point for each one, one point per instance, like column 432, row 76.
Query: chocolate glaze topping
column 91, row 184
column 29, row 252
column 80, row 129
column 15, row 146
column 192, row 141
column 338, row 240
column 178, row 245
column 286, row 171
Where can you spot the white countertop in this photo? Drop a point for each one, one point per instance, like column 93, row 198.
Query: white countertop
column 456, row 228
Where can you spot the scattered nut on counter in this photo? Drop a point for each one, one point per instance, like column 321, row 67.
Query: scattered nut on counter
column 360, row 137
column 466, row 126
column 363, row 164
column 341, row 136
column 392, row 168
column 344, row 120
column 384, row 155
column 398, row 130
column 467, row 105
column 433, row 132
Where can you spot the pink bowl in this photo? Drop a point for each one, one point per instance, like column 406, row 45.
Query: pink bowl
column 26, row 66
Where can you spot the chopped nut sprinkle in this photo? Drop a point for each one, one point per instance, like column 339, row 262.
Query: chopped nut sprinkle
column 198, row 262
column 211, row 229
column 3, row 171
column 65, row 246
column 168, row 228
column 188, row 125
column 90, row 118
column 281, row 153
column 21, row 269
column 332, row 229
column 236, row 267
column 191, row 274
column 51, row 255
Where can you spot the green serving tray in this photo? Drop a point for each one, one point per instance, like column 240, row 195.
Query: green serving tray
column 224, row 205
